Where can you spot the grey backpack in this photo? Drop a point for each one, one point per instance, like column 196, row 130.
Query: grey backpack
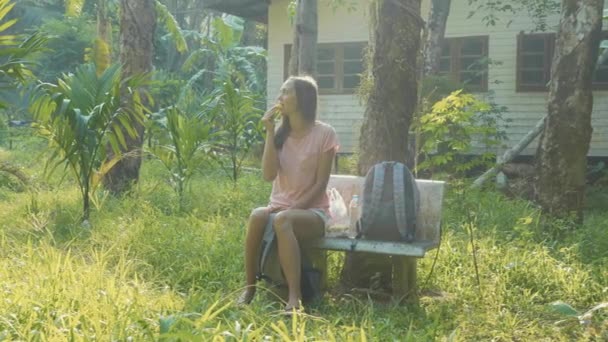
column 270, row 268
column 390, row 204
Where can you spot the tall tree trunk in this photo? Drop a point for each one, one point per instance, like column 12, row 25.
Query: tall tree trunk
column 295, row 53
column 395, row 43
column 564, row 144
column 304, row 47
column 137, row 26
column 104, row 26
column 437, row 22
column 102, row 49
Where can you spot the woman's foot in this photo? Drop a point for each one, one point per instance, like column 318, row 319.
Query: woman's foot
column 246, row 297
column 293, row 305
column 293, row 310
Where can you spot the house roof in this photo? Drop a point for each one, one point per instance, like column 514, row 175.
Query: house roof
column 250, row 9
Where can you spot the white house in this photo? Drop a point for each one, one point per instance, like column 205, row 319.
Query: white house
column 518, row 81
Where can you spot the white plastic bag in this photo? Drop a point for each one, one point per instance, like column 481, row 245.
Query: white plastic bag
column 339, row 222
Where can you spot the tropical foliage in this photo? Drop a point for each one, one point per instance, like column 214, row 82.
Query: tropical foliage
column 15, row 54
column 230, row 61
column 238, row 115
column 185, row 148
column 81, row 115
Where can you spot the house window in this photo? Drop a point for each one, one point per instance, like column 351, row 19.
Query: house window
column 600, row 78
column 534, row 59
column 534, row 55
column 339, row 67
column 464, row 60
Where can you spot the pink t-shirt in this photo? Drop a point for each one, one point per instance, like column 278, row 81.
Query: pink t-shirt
column 298, row 162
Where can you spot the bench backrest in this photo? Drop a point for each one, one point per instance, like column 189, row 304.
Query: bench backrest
column 431, row 199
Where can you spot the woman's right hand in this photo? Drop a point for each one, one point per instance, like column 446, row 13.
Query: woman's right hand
column 268, row 118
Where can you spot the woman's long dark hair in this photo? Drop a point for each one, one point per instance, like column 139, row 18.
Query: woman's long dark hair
column 306, row 98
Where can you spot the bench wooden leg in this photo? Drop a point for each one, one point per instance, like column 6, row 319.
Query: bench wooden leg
column 404, row 278
column 319, row 260
column 323, row 268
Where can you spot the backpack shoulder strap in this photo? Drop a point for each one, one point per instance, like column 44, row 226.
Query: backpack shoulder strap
column 399, row 199
column 375, row 196
column 268, row 243
column 405, row 201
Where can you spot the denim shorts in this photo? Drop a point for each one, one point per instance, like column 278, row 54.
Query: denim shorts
column 322, row 214
column 319, row 212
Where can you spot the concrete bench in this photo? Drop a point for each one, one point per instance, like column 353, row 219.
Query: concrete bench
column 404, row 255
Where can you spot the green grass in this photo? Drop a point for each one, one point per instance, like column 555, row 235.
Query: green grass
column 146, row 270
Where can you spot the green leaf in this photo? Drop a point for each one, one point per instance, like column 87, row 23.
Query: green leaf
column 166, row 323
column 170, row 24
column 5, row 7
column 120, row 136
column 195, row 58
column 563, row 308
column 114, row 144
column 7, row 24
column 225, row 35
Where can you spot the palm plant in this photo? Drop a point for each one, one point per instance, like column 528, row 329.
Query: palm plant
column 15, row 56
column 185, row 148
column 239, row 118
column 80, row 116
column 239, row 83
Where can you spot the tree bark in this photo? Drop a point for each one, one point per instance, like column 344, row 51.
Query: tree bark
column 436, row 24
column 137, row 26
column 295, row 53
column 564, row 144
column 524, row 142
column 104, row 26
column 394, row 94
column 391, row 103
column 304, row 47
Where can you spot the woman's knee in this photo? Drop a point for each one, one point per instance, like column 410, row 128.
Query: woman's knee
column 258, row 218
column 282, row 222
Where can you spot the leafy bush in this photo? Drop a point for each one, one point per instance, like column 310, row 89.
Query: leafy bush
column 453, row 127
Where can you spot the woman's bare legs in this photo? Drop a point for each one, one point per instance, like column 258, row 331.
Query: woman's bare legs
column 255, row 232
column 292, row 226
